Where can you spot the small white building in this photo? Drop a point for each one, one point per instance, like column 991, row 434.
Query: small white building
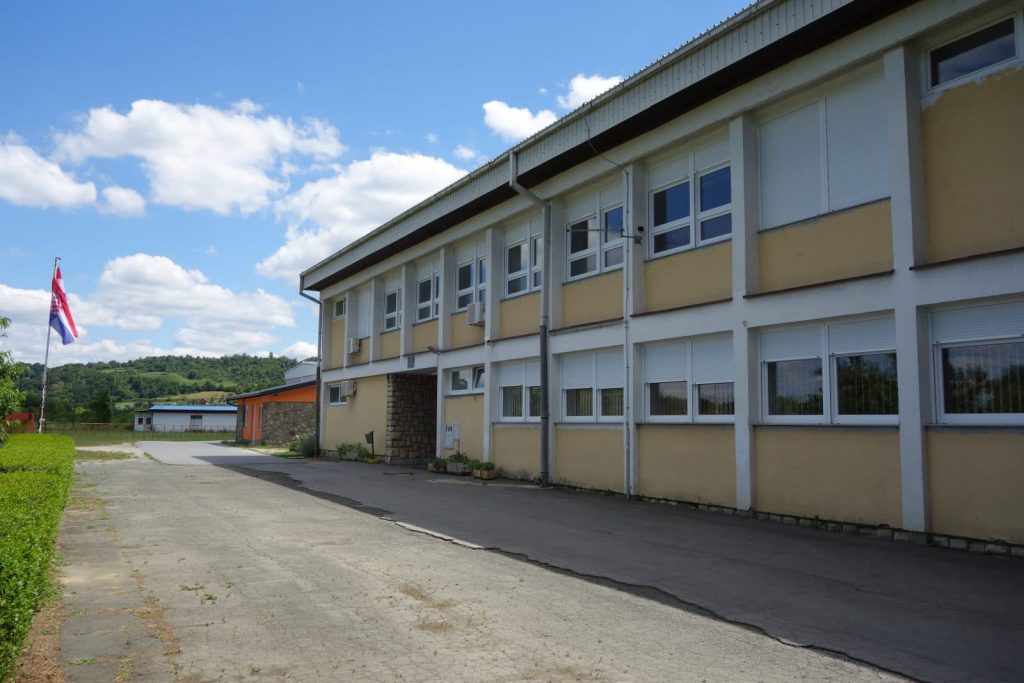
column 174, row 418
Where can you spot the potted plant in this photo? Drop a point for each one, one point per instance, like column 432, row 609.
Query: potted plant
column 437, row 465
column 484, row 470
column 458, row 463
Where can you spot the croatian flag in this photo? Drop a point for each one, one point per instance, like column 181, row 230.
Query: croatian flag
column 60, row 312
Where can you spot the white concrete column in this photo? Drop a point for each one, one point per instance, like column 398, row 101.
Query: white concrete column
column 446, row 269
column 496, row 283
column 553, row 280
column 351, row 312
column 909, row 240
column 635, row 191
column 745, row 280
column 407, row 308
column 636, row 225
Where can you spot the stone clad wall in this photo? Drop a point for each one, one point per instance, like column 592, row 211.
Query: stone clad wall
column 411, row 417
column 284, row 420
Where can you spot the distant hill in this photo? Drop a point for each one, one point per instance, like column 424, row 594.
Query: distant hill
column 74, row 389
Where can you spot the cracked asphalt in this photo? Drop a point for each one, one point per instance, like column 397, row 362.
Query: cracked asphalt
column 212, row 563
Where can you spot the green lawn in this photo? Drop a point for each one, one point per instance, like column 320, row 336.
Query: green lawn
column 101, row 455
column 101, row 437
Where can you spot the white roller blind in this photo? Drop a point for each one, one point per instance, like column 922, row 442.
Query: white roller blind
column 517, row 233
column 711, row 154
column 790, row 344
column 995, row 321
column 858, row 141
column 533, row 373
column 510, row 374
column 393, row 282
column 578, row 371
column 668, row 171
column 666, row 362
column 424, row 269
column 580, row 206
column 611, row 195
column 877, row 334
column 465, row 252
column 790, row 147
column 712, row 360
column 363, row 313
column 610, row 370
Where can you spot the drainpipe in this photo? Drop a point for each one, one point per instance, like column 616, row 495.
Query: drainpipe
column 319, row 350
column 545, row 412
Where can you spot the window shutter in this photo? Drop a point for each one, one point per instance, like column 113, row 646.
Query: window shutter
column 578, row 371
column 517, row 233
column 712, row 360
column 666, row 362
column 510, row 374
column 995, row 321
column 858, row 144
column 791, row 344
column 790, row 147
column 669, row 171
column 533, row 373
column 877, row 334
column 610, row 370
column 425, row 269
column 465, row 252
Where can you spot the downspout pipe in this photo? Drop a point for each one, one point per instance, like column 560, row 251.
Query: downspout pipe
column 319, row 353
column 545, row 308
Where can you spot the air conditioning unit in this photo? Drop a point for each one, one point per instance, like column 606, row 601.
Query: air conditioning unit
column 352, row 345
column 348, row 387
column 475, row 313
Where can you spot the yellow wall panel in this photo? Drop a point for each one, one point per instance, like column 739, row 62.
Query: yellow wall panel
column 336, row 356
column 592, row 299
column 693, row 463
column 974, row 482
column 467, row 412
column 692, row 277
column 841, row 474
column 520, row 315
column 390, row 345
column 844, row 244
column 366, row 410
column 973, row 146
column 464, row 334
column 424, row 335
column 589, row 458
column 515, row 450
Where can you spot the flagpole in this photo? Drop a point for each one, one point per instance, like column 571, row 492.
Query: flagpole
column 46, row 359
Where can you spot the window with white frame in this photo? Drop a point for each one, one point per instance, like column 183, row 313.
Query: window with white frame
column 691, row 200
column 826, row 154
column 975, row 52
column 427, row 298
column 392, row 309
column 470, row 283
column 979, row 362
column 469, row 380
column 524, row 262
column 519, row 383
column 336, row 395
column 339, row 308
column 689, row 380
column 594, row 235
column 841, row 372
column 592, row 386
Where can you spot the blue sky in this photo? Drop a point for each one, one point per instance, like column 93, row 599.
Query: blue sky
column 188, row 159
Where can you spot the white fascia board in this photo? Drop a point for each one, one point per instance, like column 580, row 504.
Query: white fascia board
column 474, row 355
column 987, row 277
column 587, row 339
column 515, row 349
column 840, row 299
column 687, row 322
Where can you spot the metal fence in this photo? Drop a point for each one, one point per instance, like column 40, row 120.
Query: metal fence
column 62, row 427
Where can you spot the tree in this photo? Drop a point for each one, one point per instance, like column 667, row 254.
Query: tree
column 101, row 406
column 10, row 396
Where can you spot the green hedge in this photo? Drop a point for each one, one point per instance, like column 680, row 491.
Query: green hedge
column 35, row 474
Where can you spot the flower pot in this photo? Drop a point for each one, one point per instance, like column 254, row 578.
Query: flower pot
column 457, row 468
column 484, row 474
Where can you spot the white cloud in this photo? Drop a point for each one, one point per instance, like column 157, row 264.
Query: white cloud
column 325, row 215
column 301, row 350
column 122, row 201
column 464, row 153
column 542, row 90
column 28, row 179
column 431, row 138
column 202, row 157
column 584, row 88
column 222, row 343
column 515, row 123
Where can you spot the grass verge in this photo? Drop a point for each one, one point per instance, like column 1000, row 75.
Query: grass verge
column 109, row 437
column 81, row 456
column 35, row 475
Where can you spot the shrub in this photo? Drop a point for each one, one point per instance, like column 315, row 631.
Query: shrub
column 35, row 474
column 302, row 445
column 485, row 466
column 458, row 456
column 353, row 451
column 474, row 464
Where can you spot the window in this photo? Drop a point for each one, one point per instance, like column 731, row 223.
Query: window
column 392, row 304
column 979, row 359
column 427, row 298
column 973, row 53
column 336, row 395
column 466, row 380
column 524, row 263
column 594, row 235
column 592, row 386
column 339, row 308
column 140, row 421
column 583, row 240
column 611, row 238
column 689, row 380
column 672, row 204
column 520, row 391
column 470, row 283
column 825, row 156
column 853, row 383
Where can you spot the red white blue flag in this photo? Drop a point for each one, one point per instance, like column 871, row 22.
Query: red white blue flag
column 60, row 312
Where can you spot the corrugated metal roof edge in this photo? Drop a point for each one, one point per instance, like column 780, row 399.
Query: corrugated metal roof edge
column 841, row 21
column 280, row 389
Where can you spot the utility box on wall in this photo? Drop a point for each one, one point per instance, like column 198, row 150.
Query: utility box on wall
column 451, row 435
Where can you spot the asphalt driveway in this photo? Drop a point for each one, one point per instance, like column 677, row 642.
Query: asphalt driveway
column 923, row 612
